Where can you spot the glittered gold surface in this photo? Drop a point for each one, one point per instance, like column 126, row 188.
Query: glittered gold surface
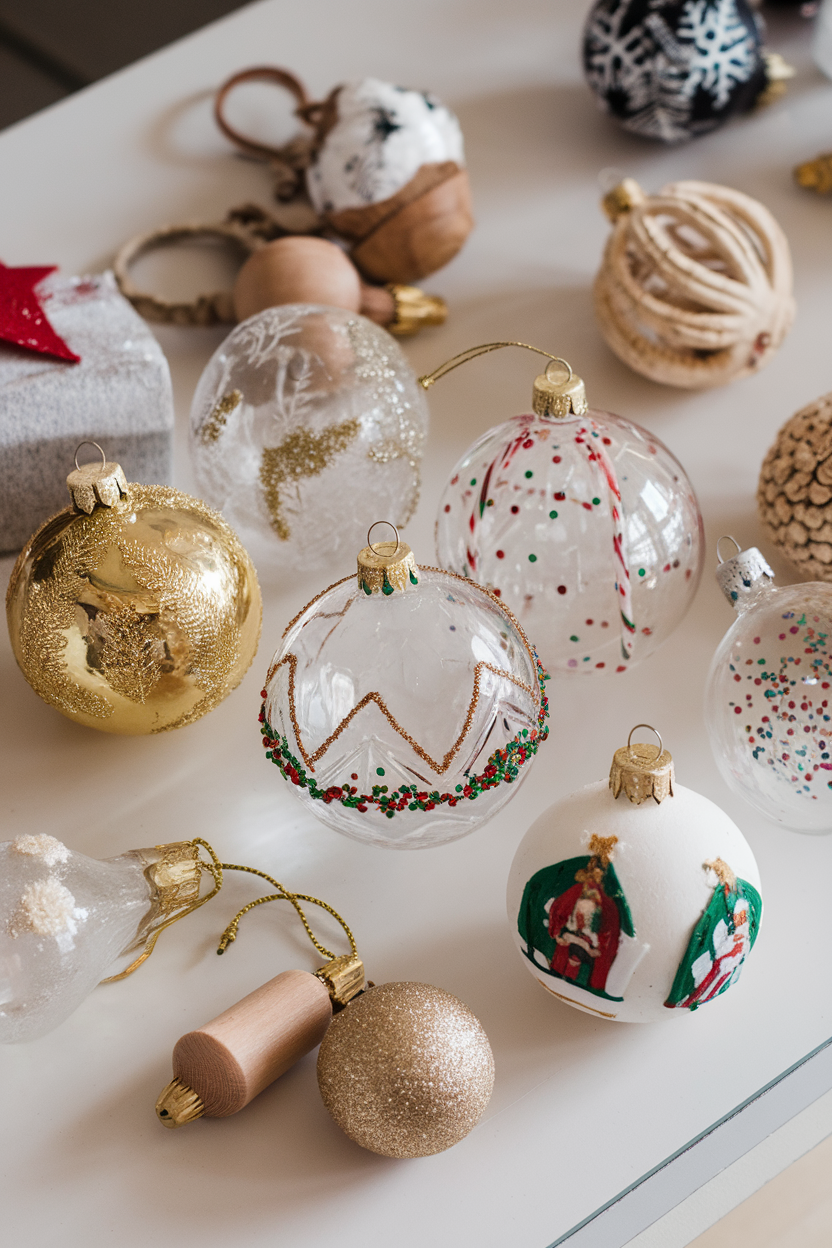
column 137, row 618
column 218, row 416
column 406, row 1070
column 302, row 454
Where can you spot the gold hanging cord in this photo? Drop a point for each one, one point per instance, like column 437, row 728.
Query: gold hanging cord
column 215, row 869
column 464, row 356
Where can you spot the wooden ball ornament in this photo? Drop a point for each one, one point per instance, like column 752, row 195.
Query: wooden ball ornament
column 298, row 269
column 794, row 495
column 406, row 1070
column 695, row 286
column 305, row 269
column 382, row 166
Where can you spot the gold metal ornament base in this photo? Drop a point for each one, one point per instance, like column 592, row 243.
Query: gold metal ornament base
column 386, row 567
column 344, row 979
column 178, row 1104
column 642, row 771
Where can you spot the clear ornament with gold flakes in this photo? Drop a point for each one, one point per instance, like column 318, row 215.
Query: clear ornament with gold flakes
column 582, row 522
column 635, row 899
column 134, row 610
column 306, row 424
column 404, row 704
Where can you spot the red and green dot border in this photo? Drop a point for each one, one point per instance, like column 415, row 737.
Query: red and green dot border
column 503, row 767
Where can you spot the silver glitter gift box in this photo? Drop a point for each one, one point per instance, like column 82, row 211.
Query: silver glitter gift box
column 119, row 396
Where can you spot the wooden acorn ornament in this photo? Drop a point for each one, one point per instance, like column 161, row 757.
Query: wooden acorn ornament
column 382, row 166
column 794, row 495
column 277, row 269
column 695, row 285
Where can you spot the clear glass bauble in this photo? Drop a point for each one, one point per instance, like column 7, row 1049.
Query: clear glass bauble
column 586, row 527
column 768, row 704
column 307, row 424
column 405, row 719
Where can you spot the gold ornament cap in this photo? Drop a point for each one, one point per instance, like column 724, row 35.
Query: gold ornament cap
column 623, row 198
column 415, row 310
column 560, row 396
column 816, row 175
column 343, row 978
column 94, row 485
column 386, row 567
column 642, row 771
column 178, row 1104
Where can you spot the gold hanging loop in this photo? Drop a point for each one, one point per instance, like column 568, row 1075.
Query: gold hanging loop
column 549, row 397
column 283, row 894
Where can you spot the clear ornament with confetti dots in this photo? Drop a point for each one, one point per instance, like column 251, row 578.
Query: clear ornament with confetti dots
column 306, row 421
column 404, row 705
column 580, row 521
column 769, row 692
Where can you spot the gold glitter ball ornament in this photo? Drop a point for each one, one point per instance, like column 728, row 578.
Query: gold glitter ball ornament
column 134, row 610
column 406, row 1070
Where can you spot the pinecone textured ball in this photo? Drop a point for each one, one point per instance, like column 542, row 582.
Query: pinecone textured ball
column 406, row 1070
column 794, row 495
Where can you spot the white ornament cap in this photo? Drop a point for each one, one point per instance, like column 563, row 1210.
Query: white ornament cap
column 739, row 576
column 642, row 771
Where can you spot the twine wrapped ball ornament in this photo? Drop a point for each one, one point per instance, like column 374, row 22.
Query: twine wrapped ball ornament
column 794, row 495
column 406, row 1070
column 695, row 286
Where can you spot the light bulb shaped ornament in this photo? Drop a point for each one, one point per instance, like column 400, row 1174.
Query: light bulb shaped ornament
column 768, row 694
column 65, row 919
column 582, row 522
column 404, row 704
column 635, row 899
column 305, row 421
column 136, row 609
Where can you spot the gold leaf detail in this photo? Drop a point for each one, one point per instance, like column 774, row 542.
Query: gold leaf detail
column 301, row 454
column 216, row 422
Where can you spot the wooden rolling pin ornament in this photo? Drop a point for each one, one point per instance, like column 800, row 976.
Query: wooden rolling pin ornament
column 222, row 1066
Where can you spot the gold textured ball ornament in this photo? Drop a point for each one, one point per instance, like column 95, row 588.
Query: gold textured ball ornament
column 136, row 609
column 794, row 495
column 406, row 1070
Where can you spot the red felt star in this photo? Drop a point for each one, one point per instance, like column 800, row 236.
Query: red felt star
column 22, row 318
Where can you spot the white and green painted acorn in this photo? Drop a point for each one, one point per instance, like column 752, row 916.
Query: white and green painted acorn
column 635, row 899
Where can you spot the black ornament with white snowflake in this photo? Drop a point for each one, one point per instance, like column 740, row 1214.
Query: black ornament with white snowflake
column 673, row 69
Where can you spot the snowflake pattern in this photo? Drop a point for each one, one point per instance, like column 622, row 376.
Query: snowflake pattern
column 670, row 70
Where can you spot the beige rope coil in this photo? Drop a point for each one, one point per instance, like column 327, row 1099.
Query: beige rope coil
column 794, row 495
column 695, row 287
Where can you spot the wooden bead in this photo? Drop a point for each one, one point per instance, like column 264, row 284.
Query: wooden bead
column 233, row 1058
column 296, row 269
column 695, row 287
column 794, row 495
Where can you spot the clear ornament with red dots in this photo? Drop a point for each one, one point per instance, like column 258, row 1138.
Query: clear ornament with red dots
column 769, row 693
column 583, row 523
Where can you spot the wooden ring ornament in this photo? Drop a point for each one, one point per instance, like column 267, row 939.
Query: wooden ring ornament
column 695, row 286
column 214, row 309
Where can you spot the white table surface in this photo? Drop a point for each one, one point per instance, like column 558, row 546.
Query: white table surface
column 581, row 1108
